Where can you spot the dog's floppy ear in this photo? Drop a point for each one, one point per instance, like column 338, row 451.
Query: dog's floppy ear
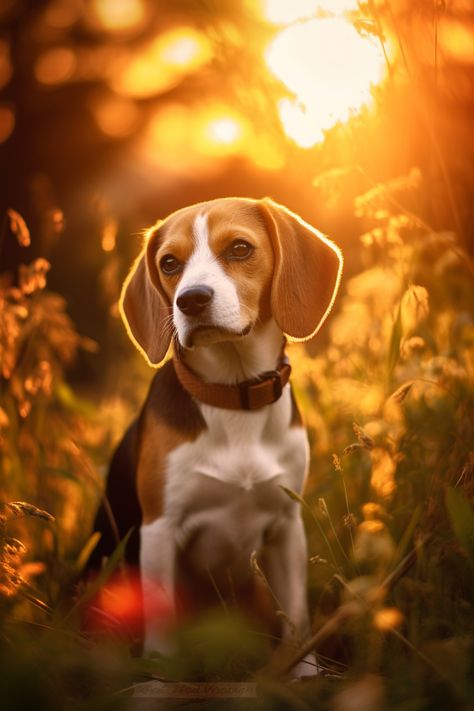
column 306, row 274
column 144, row 309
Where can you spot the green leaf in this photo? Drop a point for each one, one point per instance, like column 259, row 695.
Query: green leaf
column 461, row 516
column 87, row 551
column 93, row 587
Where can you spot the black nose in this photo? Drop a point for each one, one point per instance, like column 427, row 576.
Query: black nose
column 194, row 300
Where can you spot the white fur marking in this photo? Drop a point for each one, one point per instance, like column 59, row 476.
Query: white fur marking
column 203, row 269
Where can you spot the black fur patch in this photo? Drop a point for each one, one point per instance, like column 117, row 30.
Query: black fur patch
column 166, row 401
column 171, row 403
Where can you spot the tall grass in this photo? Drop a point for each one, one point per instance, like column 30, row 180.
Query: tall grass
column 389, row 406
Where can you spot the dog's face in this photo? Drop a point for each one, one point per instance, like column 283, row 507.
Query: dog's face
column 212, row 271
column 215, row 269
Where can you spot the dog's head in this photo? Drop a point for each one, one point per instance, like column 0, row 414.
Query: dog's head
column 212, row 271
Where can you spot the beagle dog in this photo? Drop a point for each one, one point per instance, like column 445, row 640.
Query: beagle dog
column 220, row 435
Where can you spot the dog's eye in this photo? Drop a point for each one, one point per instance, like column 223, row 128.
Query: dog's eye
column 239, row 249
column 169, row 264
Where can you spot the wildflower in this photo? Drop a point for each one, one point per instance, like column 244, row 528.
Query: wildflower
column 349, row 520
column 32, row 277
column 40, row 380
column 363, row 438
column 409, row 345
column 323, row 507
column 19, row 228
column 352, row 448
column 22, row 508
column 119, row 603
column 414, row 307
column 372, row 511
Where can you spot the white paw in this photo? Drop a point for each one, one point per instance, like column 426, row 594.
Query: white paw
column 306, row 667
column 155, row 644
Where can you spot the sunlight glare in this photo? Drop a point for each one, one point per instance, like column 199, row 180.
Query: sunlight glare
column 330, row 68
column 224, row 130
column 282, row 12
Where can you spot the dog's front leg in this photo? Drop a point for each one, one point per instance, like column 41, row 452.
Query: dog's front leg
column 157, row 569
column 285, row 562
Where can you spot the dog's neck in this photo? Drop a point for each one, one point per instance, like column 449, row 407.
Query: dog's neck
column 231, row 362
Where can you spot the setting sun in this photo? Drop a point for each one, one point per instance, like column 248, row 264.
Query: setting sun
column 329, row 68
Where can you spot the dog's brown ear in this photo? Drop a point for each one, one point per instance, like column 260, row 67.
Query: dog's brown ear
column 146, row 314
column 307, row 272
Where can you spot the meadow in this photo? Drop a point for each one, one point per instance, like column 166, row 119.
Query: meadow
column 386, row 392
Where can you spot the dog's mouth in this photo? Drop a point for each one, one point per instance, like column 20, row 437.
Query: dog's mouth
column 209, row 333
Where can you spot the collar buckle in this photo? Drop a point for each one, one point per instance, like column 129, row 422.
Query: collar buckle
column 246, row 388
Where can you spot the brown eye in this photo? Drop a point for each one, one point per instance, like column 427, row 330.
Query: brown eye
column 169, row 264
column 239, row 249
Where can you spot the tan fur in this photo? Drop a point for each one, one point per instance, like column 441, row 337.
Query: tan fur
column 307, row 272
column 157, row 441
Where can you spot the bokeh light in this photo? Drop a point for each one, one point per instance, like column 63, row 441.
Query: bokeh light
column 55, row 66
column 119, row 15
column 116, row 116
column 221, row 134
column 162, row 64
column 457, row 40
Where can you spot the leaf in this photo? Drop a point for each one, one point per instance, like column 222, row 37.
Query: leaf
column 461, row 516
column 87, row 551
column 395, row 340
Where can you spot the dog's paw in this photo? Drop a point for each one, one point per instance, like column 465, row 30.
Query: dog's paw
column 306, row 667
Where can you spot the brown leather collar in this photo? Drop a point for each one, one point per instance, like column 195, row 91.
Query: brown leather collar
column 247, row 395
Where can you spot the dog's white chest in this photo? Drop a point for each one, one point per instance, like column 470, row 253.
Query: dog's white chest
column 243, row 448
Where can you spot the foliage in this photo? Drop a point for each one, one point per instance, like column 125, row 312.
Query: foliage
column 44, row 428
column 394, row 523
column 388, row 402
